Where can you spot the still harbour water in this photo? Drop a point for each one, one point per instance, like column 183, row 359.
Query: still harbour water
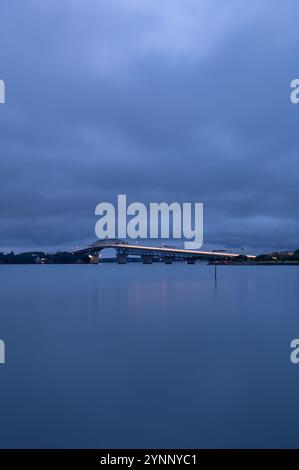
column 154, row 356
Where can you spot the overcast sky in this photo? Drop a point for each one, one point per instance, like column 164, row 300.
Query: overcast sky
column 163, row 100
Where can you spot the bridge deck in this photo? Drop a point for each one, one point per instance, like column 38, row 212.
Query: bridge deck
column 155, row 250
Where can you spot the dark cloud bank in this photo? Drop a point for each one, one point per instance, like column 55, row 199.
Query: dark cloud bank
column 169, row 101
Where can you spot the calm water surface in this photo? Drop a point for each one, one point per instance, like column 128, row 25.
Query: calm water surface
column 149, row 356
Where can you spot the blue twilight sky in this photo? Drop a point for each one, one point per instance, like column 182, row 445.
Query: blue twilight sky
column 163, row 100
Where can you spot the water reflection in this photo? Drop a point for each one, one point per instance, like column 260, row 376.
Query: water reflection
column 148, row 356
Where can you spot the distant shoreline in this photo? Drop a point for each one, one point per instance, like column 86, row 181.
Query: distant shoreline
column 139, row 261
column 287, row 258
column 261, row 263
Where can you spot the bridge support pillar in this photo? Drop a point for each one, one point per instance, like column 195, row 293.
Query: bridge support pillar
column 147, row 259
column 121, row 258
column 94, row 259
column 190, row 261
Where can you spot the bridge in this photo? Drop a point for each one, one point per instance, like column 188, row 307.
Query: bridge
column 149, row 254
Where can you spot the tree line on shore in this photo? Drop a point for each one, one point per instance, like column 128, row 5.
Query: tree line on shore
column 39, row 257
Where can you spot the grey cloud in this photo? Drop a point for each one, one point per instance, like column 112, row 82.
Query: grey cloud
column 162, row 101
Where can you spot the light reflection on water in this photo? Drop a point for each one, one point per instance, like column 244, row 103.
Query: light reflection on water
column 148, row 356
